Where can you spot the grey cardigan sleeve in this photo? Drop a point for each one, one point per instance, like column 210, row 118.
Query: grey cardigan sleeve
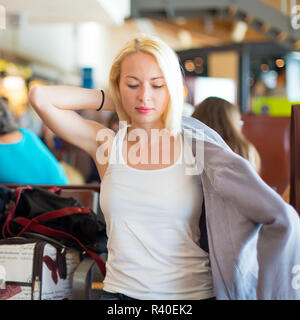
column 278, row 244
column 247, row 221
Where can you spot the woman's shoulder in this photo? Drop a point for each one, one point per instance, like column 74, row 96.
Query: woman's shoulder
column 27, row 132
column 32, row 140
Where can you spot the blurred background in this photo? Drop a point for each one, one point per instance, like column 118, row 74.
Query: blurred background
column 246, row 52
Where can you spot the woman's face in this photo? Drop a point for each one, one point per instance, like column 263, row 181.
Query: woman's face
column 143, row 90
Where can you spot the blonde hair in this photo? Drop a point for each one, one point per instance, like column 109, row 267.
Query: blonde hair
column 169, row 65
column 223, row 117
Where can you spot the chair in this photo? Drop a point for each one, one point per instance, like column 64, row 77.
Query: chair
column 87, row 281
column 270, row 136
column 295, row 158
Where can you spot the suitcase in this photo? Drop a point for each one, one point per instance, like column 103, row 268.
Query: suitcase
column 36, row 268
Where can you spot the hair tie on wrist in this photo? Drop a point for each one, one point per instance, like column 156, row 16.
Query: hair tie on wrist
column 102, row 103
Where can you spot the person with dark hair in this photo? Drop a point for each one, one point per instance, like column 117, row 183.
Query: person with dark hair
column 225, row 118
column 24, row 157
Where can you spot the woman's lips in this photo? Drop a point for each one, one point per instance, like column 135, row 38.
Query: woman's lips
column 144, row 110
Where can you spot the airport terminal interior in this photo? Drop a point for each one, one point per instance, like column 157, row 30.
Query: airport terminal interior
column 238, row 53
column 245, row 52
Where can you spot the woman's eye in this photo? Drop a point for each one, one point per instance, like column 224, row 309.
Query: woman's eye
column 134, row 86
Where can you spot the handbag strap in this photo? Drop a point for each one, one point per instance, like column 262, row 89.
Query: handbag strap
column 11, row 213
column 33, row 225
column 55, row 189
column 42, row 217
column 52, row 215
column 61, row 213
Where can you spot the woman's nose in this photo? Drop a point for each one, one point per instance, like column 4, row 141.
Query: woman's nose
column 144, row 93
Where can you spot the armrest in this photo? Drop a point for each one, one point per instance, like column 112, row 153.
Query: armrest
column 87, row 281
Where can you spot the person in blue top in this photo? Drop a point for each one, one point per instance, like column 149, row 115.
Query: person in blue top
column 24, row 158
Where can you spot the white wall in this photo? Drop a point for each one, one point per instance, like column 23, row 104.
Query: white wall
column 60, row 47
column 52, row 44
column 63, row 47
column 93, row 50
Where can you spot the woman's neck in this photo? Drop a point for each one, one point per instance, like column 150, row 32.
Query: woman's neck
column 148, row 128
column 12, row 137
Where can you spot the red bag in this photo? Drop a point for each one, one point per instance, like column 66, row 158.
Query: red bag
column 42, row 211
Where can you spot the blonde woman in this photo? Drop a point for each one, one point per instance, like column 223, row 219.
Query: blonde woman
column 225, row 118
column 160, row 246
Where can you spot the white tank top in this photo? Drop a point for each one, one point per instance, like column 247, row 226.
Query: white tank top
column 152, row 219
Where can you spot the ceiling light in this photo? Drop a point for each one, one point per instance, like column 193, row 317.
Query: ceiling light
column 13, row 83
column 280, row 63
column 239, row 31
column 189, row 65
column 264, row 67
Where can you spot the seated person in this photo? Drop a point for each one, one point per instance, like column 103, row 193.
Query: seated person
column 24, row 157
column 225, row 118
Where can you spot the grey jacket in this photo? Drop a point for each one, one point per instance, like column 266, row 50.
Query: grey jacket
column 253, row 235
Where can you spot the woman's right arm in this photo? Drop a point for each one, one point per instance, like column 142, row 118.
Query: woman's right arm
column 56, row 106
